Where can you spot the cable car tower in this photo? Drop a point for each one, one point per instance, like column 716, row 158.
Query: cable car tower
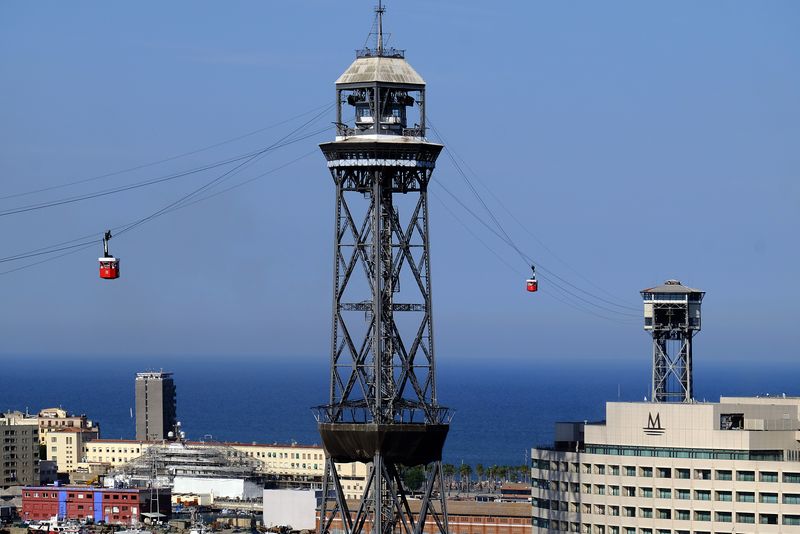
column 672, row 316
column 383, row 408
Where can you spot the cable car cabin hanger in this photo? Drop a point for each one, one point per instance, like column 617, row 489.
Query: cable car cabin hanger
column 109, row 265
column 531, row 284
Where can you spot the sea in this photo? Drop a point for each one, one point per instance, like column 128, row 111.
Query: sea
column 501, row 408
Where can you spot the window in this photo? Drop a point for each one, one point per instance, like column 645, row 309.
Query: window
column 645, row 492
column 682, row 473
column 629, row 511
column 629, row 491
column 724, row 517
column 745, row 476
column 702, row 474
column 614, row 490
column 702, row 515
column 791, row 519
column 792, row 478
column 664, row 493
column 723, row 474
column 768, row 476
column 600, row 469
column 614, row 469
column 745, row 496
column 664, row 472
column 613, row 510
column 702, row 495
column 646, row 512
column 683, row 515
column 683, row 494
column 768, row 498
column 664, row 513
column 743, row 517
column 724, row 496
column 791, row 498
column 630, row 471
column 768, row 519
column 646, row 472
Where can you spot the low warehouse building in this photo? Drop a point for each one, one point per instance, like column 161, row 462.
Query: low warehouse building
column 120, row 506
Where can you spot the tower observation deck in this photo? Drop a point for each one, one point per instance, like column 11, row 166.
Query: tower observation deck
column 383, row 408
column 672, row 317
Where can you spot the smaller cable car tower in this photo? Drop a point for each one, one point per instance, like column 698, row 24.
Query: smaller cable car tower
column 672, row 316
column 383, row 408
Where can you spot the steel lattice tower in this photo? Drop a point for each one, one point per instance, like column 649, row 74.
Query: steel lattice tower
column 672, row 316
column 383, row 408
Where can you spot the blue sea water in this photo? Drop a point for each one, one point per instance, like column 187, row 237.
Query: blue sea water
column 501, row 409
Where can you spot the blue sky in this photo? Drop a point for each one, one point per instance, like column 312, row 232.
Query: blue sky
column 635, row 141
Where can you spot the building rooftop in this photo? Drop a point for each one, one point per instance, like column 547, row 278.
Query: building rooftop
column 672, row 286
column 380, row 69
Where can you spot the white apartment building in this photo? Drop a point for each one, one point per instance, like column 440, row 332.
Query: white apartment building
column 673, row 468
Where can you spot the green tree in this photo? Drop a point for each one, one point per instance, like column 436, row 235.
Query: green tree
column 449, row 472
column 480, row 471
column 413, row 477
column 465, row 472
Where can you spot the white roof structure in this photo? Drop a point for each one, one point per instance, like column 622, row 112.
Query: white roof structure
column 380, row 69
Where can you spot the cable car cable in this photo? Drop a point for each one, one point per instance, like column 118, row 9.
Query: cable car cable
column 164, row 160
column 93, row 242
column 126, row 227
column 145, row 183
column 547, row 292
column 528, row 259
column 527, row 230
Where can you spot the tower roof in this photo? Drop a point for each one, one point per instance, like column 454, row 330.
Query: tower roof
column 672, row 286
column 380, row 69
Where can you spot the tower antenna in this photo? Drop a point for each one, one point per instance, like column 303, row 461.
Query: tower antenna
column 379, row 11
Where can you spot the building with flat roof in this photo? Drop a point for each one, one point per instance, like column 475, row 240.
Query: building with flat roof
column 673, row 468
column 463, row 517
column 112, row 505
column 155, row 405
column 294, row 464
column 19, row 454
column 65, row 446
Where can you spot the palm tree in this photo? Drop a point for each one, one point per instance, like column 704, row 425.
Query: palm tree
column 465, row 472
column 479, row 470
column 449, row 471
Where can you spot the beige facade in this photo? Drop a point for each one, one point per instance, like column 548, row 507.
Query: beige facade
column 53, row 419
column 674, row 468
column 65, row 447
column 299, row 462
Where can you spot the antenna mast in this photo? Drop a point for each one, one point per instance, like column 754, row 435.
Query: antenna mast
column 380, row 10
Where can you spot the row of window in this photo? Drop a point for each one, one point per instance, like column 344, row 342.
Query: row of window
column 722, row 517
column 668, row 493
column 674, row 452
column 664, row 472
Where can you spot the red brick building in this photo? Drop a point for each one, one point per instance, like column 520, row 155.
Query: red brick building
column 467, row 517
column 123, row 506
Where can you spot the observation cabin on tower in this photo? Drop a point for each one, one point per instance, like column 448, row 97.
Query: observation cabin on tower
column 380, row 94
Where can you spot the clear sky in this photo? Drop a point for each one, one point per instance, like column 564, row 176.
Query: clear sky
column 636, row 141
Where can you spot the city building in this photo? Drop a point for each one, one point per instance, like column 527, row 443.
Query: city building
column 155, row 405
column 65, row 446
column 281, row 463
column 673, row 465
column 114, row 506
column 19, row 456
column 659, row 468
column 50, row 419
column 463, row 517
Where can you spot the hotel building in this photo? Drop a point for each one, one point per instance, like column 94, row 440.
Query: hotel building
column 673, row 465
column 673, row 468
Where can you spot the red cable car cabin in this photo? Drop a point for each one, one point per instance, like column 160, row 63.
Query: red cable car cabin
column 109, row 267
column 532, row 285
